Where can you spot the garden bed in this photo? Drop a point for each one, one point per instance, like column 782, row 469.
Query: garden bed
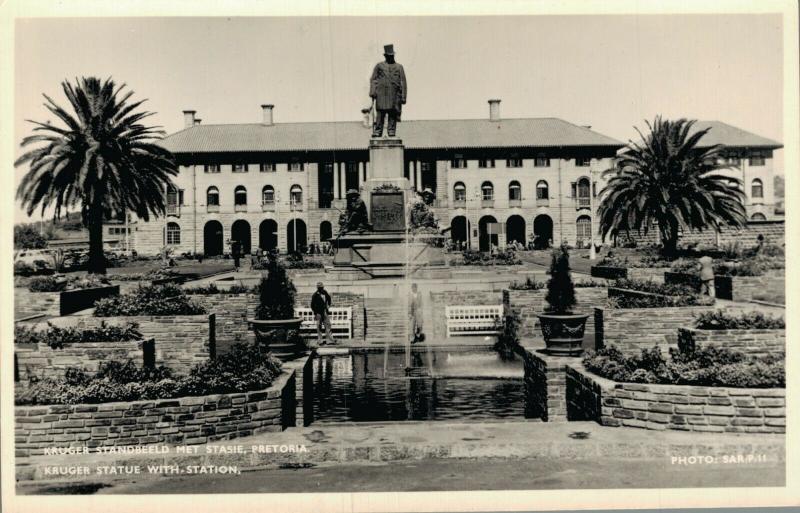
column 674, row 407
column 634, row 328
column 609, row 272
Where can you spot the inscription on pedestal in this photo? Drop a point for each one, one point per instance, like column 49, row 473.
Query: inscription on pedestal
column 387, row 211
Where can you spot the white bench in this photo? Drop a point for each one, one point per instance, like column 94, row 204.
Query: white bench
column 473, row 320
column 341, row 322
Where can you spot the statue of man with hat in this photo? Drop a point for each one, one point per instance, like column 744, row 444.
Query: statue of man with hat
column 355, row 218
column 387, row 87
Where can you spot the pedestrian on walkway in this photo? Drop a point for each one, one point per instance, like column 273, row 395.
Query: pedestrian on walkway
column 236, row 253
column 320, row 305
column 707, row 276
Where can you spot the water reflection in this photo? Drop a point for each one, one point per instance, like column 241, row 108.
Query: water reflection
column 439, row 385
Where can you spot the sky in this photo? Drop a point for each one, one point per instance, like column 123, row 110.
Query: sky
column 610, row 72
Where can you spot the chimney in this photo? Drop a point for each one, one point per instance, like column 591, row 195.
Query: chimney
column 494, row 110
column 365, row 119
column 188, row 118
column 197, row 121
column 267, row 112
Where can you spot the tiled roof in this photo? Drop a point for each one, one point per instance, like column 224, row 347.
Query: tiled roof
column 729, row 135
column 352, row 135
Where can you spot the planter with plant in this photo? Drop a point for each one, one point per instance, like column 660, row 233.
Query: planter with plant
column 275, row 324
column 562, row 329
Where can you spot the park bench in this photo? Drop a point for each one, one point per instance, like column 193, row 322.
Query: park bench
column 473, row 320
column 341, row 322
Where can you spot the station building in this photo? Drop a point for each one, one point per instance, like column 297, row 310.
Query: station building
column 283, row 185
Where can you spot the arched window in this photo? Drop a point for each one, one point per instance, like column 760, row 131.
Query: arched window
column 212, row 196
column 296, row 195
column 459, row 192
column 758, row 216
column 487, row 191
column 583, row 226
column 173, row 234
column 267, row 195
column 757, row 189
column 240, row 195
column 514, row 191
column 584, row 190
column 542, row 190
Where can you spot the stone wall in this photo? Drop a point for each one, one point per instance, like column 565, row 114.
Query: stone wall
column 440, row 300
column 185, row 420
column 752, row 342
column 545, row 385
column 43, row 361
column 181, row 341
column 632, row 329
column 749, row 288
column 655, row 274
column 674, row 407
column 528, row 303
column 27, row 303
column 773, row 232
column 233, row 311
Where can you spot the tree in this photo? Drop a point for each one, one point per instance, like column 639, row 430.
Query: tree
column 276, row 292
column 667, row 179
column 103, row 160
column 560, row 289
column 28, row 237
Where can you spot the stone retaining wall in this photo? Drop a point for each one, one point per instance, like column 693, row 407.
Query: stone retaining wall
column 45, row 362
column 773, row 232
column 528, row 303
column 545, row 385
column 675, row 407
column 186, row 420
column 632, row 329
column 181, row 341
column 655, row 274
column 752, row 342
column 749, row 288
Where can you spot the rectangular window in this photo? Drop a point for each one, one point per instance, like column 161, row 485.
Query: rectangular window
column 734, row 160
column 582, row 161
column 296, row 166
column 541, row 161
column 111, row 231
column 180, row 197
column 484, row 163
column 514, row 162
column 458, row 163
column 267, row 167
column 239, row 168
column 757, row 159
column 211, row 168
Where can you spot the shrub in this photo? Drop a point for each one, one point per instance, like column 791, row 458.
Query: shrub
column 530, row 284
column 47, row 284
column 685, row 265
column 655, row 287
column 658, row 301
column 505, row 257
column 168, row 299
column 719, row 320
column 27, row 236
column 710, row 366
column 213, row 289
column 56, row 337
column 560, row 289
column 244, row 368
column 276, row 292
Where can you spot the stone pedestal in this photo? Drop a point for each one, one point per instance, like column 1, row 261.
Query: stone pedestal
column 385, row 252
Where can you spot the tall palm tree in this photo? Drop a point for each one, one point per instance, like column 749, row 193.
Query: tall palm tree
column 103, row 159
column 668, row 179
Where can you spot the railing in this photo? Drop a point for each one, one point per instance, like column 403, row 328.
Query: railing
column 268, row 206
column 240, row 208
column 584, row 202
column 173, row 210
column 212, row 208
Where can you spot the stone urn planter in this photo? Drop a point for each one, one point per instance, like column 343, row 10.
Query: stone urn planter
column 563, row 333
column 275, row 334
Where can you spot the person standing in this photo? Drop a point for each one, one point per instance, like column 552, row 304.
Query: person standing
column 415, row 315
column 707, row 276
column 320, row 306
column 236, row 253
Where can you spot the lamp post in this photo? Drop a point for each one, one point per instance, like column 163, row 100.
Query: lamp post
column 592, row 252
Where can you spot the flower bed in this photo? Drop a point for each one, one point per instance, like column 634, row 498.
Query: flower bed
column 167, row 299
column 51, row 296
column 673, row 407
column 188, row 420
column 752, row 333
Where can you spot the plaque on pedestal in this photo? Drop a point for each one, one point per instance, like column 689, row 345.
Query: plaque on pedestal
column 388, row 212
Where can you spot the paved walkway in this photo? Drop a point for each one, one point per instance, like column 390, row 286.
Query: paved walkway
column 370, row 443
